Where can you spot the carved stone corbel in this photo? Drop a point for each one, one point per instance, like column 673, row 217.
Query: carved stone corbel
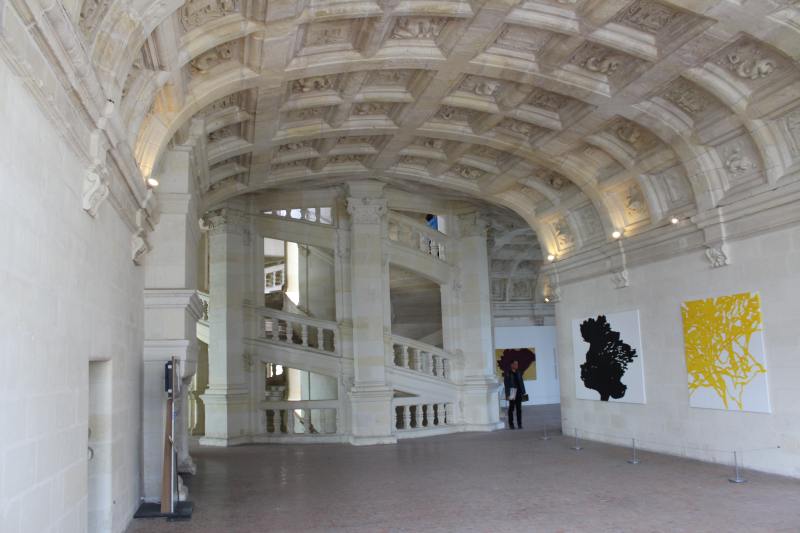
column 718, row 255
column 95, row 189
column 619, row 278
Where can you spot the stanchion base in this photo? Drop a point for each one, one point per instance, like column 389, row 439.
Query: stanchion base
column 737, row 480
column 545, row 437
column 633, row 461
column 183, row 511
column 576, row 448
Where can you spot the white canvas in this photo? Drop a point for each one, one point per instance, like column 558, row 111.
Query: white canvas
column 627, row 324
column 717, row 316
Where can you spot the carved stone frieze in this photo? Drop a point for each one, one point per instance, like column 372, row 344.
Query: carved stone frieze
column 222, row 133
column 521, row 128
column 210, row 59
column 647, row 15
column 91, row 13
column 309, row 113
column 372, row 108
column 328, row 33
column 547, row 100
column 231, row 100
column 467, row 172
column 414, row 161
column 313, row 84
column 346, row 158
column 450, row 113
column 523, row 39
column 563, row 234
column 480, row 86
column 366, row 210
column 427, row 28
column 390, row 78
column 293, row 146
column 687, row 96
column 738, row 160
column 195, row 13
column 635, row 205
column 748, row 61
column 589, row 222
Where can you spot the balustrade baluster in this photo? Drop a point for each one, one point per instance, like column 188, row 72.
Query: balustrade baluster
column 404, row 356
column 289, row 332
column 418, row 416
column 435, row 367
column 304, row 334
column 406, row 417
column 445, row 368
column 396, row 419
column 429, row 363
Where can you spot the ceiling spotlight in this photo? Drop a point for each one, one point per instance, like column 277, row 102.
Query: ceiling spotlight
column 551, row 257
column 547, row 299
column 674, row 220
column 616, row 234
column 152, row 182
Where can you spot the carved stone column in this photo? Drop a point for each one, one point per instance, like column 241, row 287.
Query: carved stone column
column 370, row 398
column 479, row 409
column 227, row 398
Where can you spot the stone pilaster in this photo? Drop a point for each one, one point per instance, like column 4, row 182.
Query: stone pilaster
column 171, row 308
column 227, row 398
column 480, row 406
column 370, row 397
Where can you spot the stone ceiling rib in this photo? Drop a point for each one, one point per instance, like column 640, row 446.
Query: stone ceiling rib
column 610, row 95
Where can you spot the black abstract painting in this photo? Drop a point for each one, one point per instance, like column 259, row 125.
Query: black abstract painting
column 607, row 359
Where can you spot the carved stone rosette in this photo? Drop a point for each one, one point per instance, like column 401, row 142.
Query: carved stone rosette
column 366, row 210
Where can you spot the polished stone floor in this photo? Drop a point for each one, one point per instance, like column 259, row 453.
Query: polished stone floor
column 506, row 481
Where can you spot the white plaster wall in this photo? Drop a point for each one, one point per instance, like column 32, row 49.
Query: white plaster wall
column 769, row 264
column 70, row 294
column 545, row 389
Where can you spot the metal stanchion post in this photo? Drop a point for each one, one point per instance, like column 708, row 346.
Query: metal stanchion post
column 544, row 436
column 577, row 446
column 634, row 460
column 737, row 472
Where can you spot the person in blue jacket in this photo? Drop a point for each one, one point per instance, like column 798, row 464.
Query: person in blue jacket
column 515, row 390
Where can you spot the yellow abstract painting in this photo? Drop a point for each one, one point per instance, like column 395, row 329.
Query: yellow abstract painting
column 725, row 353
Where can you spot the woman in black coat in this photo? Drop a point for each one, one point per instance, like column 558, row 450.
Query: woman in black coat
column 514, row 385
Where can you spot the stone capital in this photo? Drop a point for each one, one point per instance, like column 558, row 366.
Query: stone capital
column 366, row 210
column 472, row 225
column 226, row 220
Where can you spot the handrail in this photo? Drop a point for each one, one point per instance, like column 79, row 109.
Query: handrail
column 297, row 331
column 275, row 313
column 419, row 226
column 425, row 347
column 412, row 234
column 421, row 357
column 299, row 404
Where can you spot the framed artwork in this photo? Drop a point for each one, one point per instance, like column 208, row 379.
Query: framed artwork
column 725, row 358
column 526, row 357
column 608, row 358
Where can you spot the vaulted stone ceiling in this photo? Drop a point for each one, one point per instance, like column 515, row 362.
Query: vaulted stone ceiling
column 583, row 116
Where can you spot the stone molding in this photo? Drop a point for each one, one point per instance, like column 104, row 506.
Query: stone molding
column 366, row 210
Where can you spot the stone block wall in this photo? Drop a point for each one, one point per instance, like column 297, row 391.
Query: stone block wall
column 70, row 294
column 768, row 264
